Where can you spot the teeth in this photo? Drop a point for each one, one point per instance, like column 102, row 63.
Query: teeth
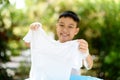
column 64, row 35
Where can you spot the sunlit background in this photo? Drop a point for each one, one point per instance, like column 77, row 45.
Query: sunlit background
column 100, row 26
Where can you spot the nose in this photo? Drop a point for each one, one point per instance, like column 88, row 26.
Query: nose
column 65, row 29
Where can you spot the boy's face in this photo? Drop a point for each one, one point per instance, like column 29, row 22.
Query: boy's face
column 66, row 29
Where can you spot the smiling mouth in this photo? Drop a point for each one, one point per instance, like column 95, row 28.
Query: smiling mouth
column 64, row 35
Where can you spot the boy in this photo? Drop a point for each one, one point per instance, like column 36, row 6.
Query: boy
column 67, row 28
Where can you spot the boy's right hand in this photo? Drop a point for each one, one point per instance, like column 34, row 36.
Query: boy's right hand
column 35, row 26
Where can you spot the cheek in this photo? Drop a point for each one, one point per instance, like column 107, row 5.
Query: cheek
column 58, row 29
column 75, row 32
column 72, row 34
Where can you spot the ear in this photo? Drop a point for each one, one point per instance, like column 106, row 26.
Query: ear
column 77, row 30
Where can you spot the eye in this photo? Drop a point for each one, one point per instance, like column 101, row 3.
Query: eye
column 70, row 26
column 61, row 25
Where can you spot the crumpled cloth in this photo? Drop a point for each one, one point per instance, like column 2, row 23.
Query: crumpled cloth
column 51, row 60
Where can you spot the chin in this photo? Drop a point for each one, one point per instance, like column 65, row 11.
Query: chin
column 65, row 40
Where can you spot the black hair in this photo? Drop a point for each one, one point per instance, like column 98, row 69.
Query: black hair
column 70, row 14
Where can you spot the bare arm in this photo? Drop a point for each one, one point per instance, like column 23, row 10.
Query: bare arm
column 27, row 44
column 83, row 47
column 89, row 61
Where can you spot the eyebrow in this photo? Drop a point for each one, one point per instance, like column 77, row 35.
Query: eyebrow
column 64, row 23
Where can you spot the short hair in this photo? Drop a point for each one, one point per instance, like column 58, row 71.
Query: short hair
column 70, row 14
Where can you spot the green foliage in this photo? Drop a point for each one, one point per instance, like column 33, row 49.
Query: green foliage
column 3, row 35
column 23, row 71
column 100, row 26
column 110, row 40
column 4, row 75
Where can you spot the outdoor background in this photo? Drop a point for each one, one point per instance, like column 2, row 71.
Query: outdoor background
column 100, row 26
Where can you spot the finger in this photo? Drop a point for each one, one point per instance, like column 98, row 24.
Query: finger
column 83, row 43
column 83, row 51
column 37, row 25
column 34, row 26
column 31, row 27
column 83, row 47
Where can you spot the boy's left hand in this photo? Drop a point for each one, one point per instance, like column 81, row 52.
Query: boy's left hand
column 83, row 45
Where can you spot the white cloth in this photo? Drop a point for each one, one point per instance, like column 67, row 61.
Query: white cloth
column 79, row 61
column 51, row 60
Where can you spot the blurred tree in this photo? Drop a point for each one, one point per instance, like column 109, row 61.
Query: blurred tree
column 110, row 41
column 4, row 75
column 100, row 21
column 3, row 35
column 100, row 27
